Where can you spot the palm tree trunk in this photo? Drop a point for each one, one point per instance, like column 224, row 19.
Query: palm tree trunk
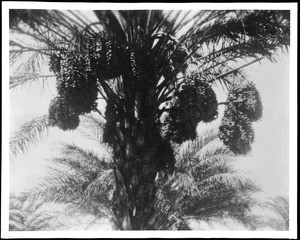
column 139, row 182
column 135, row 175
column 143, row 197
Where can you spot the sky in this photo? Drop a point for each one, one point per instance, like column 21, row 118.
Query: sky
column 270, row 155
column 267, row 164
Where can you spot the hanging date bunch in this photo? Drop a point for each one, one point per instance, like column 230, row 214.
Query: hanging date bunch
column 76, row 87
column 195, row 102
column 54, row 63
column 104, row 57
column 114, row 112
column 138, row 64
column 62, row 115
column 236, row 131
column 143, row 67
column 244, row 107
column 77, row 83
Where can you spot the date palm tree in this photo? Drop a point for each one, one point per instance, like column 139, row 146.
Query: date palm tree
column 155, row 71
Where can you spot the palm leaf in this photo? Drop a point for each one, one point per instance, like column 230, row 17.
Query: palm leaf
column 189, row 149
column 237, row 35
column 25, row 78
column 30, row 217
column 102, row 187
column 84, row 160
column 91, row 126
column 206, row 186
column 29, row 133
column 279, row 205
column 80, row 179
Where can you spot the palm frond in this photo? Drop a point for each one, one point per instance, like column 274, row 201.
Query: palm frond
column 29, row 133
column 102, row 187
column 92, row 126
column 15, row 226
column 229, row 180
column 185, row 183
column 214, row 148
column 190, row 148
column 35, row 35
column 206, row 186
column 279, row 205
column 31, row 217
column 37, row 23
column 79, row 178
column 86, row 159
column 166, row 216
column 21, row 79
column 241, row 26
column 65, row 188
column 238, row 35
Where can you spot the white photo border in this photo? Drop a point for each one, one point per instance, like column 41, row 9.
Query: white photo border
column 292, row 233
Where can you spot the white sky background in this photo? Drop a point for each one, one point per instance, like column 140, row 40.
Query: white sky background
column 267, row 164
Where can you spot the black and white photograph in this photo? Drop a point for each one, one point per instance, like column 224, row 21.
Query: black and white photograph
column 149, row 120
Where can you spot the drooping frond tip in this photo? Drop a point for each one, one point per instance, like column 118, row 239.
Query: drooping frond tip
column 29, row 133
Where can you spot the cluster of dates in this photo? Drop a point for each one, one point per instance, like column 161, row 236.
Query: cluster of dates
column 244, row 107
column 76, row 87
column 195, row 102
column 78, row 71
